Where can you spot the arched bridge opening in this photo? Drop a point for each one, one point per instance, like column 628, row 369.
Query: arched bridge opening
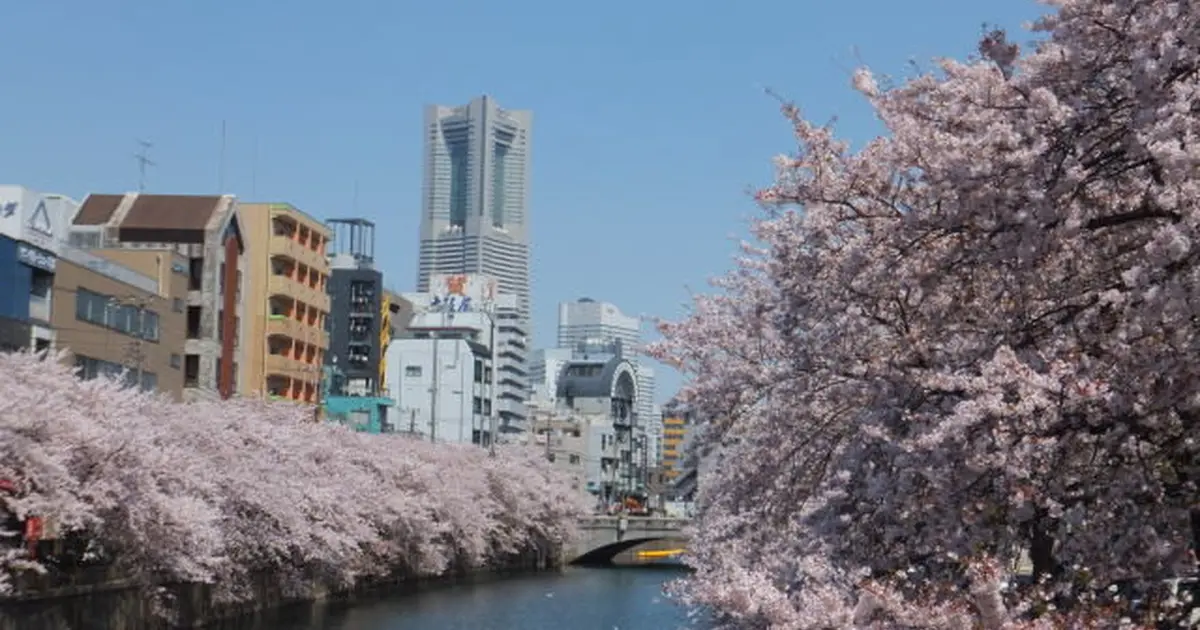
column 602, row 556
column 603, row 538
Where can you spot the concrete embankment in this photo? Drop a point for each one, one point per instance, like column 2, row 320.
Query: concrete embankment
column 99, row 601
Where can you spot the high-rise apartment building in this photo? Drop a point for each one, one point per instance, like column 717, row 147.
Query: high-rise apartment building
column 475, row 220
column 285, row 301
column 588, row 322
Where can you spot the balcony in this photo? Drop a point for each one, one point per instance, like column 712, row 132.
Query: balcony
column 316, row 337
column 281, row 364
column 290, row 287
column 285, row 326
column 289, row 248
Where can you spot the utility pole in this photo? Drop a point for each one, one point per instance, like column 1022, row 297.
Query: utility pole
column 493, row 427
column 143, row 160
column 433, row 390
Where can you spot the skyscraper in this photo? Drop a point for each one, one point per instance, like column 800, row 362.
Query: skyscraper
column 475, row 220
column 475, row 214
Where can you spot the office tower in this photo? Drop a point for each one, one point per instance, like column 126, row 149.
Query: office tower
column 589, row 323
column 475, row 220
column 285, row 301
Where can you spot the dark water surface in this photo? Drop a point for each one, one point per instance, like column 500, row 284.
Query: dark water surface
column 625, row 598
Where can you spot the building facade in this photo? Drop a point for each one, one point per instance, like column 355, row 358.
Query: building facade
column 600, row 395
column 123, row 318
column 32, row 228
column 589, row 322
column 206, row 232
column 475, row 219
column 286, row 302
column 356, row 308
column 397, row 313
column 442, row 372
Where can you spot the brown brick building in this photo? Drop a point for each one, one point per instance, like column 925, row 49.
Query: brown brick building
column 118, row 310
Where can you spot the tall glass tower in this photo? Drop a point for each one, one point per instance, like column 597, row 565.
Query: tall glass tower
column 475, row 219
column 475, row 216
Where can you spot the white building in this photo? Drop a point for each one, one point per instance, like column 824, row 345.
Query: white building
column 441, row 372
column 599, row 395
column 38, row 224
column 544, row 368
column 586, row 321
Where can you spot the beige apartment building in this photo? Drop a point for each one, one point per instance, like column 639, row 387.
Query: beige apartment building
column 286, row 305
column 123, row 312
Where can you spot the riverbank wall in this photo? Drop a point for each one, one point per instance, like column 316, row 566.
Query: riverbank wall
column 97, row 600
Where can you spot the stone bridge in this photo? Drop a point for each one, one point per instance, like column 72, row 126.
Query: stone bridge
column 603, row 537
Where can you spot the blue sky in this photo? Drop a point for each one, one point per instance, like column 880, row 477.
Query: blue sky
column 649, row 126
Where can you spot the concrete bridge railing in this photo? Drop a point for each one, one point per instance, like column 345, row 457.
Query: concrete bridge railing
column 602, row 537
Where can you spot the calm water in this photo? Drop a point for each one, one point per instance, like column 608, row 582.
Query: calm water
column 577, row 599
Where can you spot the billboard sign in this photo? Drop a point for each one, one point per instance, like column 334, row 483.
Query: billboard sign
column 33, row 218
column 462, row 293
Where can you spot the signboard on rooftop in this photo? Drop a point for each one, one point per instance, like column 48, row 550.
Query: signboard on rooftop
column 33, row 218
column 462, row 293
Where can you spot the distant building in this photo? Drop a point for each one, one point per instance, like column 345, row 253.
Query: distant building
column 397, row 312
column 205, row 230
column 600, row 395
column 442, row 371
column 677, row 424
column 32, row 228
column 475, row 220
column 544, row 367
column 285, row 302
column 356, row 311
column 588, row 322
column 122, row 311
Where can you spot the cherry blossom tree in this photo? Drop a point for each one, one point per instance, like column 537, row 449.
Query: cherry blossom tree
column 969, row 340
column 235, row 492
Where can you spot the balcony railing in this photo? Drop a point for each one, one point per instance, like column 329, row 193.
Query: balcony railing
column 284, row 325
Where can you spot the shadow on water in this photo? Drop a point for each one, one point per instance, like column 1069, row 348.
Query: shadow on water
column 621, row 597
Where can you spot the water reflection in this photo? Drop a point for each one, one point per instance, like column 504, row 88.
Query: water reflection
column 627, row 598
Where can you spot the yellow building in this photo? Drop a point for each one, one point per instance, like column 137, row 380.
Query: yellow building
column 286, row 304
column 675, row 429
column 397, row 311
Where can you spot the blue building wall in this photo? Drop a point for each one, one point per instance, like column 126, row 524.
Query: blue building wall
column 15, row 279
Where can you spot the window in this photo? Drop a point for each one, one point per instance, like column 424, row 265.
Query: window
column 107, row 311
column 412, row 370
column 177, row 305
column 176, row 361
column 90, row 368
column 574, row 459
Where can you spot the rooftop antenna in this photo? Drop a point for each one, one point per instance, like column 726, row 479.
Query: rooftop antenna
column 143, row 160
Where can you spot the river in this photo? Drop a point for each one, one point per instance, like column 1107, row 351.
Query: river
column 618, row 598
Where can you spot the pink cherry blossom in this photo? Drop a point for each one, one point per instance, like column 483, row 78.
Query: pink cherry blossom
column 972, row 339
column 227, row 492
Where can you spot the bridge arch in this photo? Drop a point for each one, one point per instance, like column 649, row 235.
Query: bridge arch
column 604, row 554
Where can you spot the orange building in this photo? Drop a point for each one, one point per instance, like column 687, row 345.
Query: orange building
column 286, row 304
